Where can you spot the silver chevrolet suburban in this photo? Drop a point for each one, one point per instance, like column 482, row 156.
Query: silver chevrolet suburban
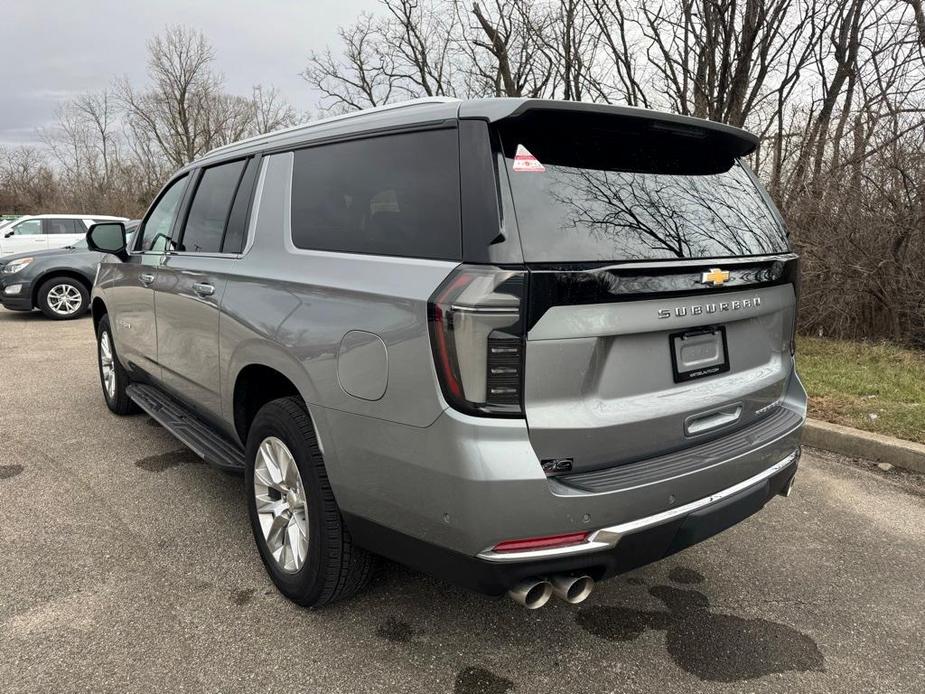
column 523, row 345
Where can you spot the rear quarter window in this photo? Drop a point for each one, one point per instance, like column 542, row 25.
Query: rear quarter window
column 390, row 195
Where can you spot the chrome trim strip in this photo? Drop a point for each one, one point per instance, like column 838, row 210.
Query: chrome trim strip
column 607, row 538
column 485, row 309
column 695, row 262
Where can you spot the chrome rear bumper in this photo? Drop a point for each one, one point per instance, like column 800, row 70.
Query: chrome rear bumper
column 609, row 537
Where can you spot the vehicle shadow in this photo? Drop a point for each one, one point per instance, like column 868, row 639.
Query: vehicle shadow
column 27, row 317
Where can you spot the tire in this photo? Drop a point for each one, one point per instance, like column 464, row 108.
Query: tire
column 63, row 298
column 332, row 567
column 116, row 398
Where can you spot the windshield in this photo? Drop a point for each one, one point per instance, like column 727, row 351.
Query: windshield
column 633, row 193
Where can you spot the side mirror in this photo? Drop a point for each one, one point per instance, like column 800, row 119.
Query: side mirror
column 108, row 237
column 8, row 234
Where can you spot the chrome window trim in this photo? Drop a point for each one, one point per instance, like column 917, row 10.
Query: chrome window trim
column 608, row 538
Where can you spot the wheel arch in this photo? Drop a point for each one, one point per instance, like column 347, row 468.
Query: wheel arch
column 40, row 281
column 255, row 384
column 97, row 310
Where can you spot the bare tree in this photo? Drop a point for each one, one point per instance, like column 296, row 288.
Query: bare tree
column 175, row 110
column 919, row 15
column 363, row 76
column 27, row 182
column 270, row 110
column 421, row 41
column 113, row 150
column 621, row 77
column 85, row 145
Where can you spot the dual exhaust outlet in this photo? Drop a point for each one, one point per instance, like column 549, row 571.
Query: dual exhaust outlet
column 535, row 592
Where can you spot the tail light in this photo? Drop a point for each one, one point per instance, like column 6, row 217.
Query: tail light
column 548, row 542
column 477, row 337
column 796, row 307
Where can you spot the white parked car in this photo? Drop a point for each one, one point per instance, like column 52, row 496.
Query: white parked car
column 43, row 231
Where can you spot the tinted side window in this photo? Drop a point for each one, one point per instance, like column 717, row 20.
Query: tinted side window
column 390, row 195
column 208, row 214
column 63, row 226
column 156, row 228
column 237, row 220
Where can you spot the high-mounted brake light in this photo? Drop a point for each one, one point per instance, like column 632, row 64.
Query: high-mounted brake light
column 547, row 542
column 476, row 327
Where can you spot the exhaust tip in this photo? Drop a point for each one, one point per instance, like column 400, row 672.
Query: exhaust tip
column 531, row 594
column 572, row 589
column 788, row 488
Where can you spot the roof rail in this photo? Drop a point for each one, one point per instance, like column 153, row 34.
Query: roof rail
column 333, row 119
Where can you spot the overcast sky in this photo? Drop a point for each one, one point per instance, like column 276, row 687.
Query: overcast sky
column 51, row 50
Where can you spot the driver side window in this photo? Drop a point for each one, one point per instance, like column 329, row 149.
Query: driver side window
column 157, row 227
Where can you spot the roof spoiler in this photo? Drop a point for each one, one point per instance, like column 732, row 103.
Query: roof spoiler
column 736, row 141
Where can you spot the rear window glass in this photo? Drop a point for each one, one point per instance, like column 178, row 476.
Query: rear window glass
column 590, row 192
column 389, row 195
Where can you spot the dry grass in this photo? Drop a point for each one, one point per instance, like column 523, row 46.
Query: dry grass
column 873, row 386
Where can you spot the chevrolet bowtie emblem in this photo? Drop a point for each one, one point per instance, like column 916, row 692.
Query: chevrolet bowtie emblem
column 715, row 277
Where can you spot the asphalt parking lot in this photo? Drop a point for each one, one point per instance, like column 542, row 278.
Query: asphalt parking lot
column 126, row 564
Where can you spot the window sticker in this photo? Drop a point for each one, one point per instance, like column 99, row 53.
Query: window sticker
column 525, row 162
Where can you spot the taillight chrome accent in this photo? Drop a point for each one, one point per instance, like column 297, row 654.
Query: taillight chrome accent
column 477, row 338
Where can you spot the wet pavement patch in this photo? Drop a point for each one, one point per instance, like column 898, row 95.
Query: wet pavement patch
column 395, row 631
column 620, row 623
column 242, row 597
column 714, row 647
column 165, row 461
column 476, row 680
column 7, row 471
column 681, row 574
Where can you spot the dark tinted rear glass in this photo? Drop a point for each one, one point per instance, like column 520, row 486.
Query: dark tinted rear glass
column 64, row 226
column 391, row 195
column 208, row 214
column 608, row 189
column 237, row 220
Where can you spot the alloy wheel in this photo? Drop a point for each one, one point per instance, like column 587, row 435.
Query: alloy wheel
column 107, row 367
column 281, row 504
column 64, row 299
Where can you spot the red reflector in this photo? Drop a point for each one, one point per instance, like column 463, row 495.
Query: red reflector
column 541, row 542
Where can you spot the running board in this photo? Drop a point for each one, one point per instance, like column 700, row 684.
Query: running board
column 182, row 422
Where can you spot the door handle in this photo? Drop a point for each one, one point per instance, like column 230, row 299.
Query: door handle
column 146, row 279
column 203, row 289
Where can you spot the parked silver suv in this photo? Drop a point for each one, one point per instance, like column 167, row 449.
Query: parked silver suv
column 523, row 345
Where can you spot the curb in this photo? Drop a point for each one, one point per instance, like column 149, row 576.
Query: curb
column 863, row 444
